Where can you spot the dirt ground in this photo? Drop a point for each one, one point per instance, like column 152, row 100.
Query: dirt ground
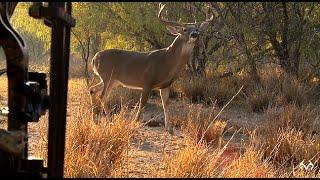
column 145, row 156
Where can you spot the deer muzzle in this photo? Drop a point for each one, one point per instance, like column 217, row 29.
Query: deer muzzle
column 194, row 34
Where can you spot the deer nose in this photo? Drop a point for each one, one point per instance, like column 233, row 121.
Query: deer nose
column 194, row 34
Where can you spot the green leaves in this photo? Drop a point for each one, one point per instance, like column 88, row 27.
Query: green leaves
column 135, row 26
column 26, row 24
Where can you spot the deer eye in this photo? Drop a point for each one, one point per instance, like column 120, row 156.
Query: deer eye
column 184, row 30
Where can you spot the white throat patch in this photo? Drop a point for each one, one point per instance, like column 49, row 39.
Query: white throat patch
column 192, row 40
column 187, row 48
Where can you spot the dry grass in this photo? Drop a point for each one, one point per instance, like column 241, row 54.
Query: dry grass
column 92, row 150
column 97, row 150
column 294, row 91
column 120, row 97
column 287, row 147
column 103, row 147
column 205, row 90
column 76, row 66
column 277, row 146
column 260, row 99
column 196, row 123
column 303, row 118
column 195, row 160
column 193, row 90
column 249, row 165
column 300, row 173
column 198, row 160
column 287, row 137
column 276, row 89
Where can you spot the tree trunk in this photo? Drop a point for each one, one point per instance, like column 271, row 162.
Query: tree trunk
column 192, row 61
column 202, row 61
column 96, row 43
column 295, row 60
column 252, row 64
column 85, row 58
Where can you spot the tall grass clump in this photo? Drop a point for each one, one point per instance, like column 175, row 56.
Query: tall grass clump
column 196, row 126
column 198, row 160
column 250, row 164
column 97, row 150
column 194, row 160
column 207, row 90
column 289, row 136
column 120, row 96
column 91, row 150
column 276, row 89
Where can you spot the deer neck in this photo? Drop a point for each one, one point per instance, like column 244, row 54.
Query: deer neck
column 179, row 51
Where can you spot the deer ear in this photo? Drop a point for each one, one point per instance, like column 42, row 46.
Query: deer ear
column 173, row 30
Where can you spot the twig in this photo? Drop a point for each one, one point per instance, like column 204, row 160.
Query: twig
column 220, row 113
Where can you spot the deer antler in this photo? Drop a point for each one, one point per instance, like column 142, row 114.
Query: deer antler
column 205, row 23
column 160, row 16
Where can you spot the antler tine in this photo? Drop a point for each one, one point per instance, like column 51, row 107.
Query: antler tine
column 211, row 18
column 160, row 16
column 204, row 24
column 208, row 20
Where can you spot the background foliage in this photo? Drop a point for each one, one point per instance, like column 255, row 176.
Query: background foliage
column 243, row 36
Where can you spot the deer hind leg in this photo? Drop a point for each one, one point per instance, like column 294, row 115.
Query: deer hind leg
column 164, row 93
column 143, row 100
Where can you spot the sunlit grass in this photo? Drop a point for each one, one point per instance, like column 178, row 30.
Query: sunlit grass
column 92, row 150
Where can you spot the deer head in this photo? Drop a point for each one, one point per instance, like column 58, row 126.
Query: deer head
column 187, row 31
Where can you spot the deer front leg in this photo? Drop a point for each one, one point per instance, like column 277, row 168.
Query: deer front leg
column 164, row 93
column 105, row 94
column 143, row 101
column 106, row 90
column 97, row 103
column 108, row 83
column 95, row 100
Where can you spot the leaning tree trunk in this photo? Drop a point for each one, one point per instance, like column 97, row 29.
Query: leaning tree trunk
column 296, row 60
column 288, row 60
column 85, row 58
column 193, row 60
column 96, row 43
column 85, row 53
column 202, row 61
column 198, row 61
column 250, row 60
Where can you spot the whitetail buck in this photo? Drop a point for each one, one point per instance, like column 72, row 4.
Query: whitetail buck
column 147, row 70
